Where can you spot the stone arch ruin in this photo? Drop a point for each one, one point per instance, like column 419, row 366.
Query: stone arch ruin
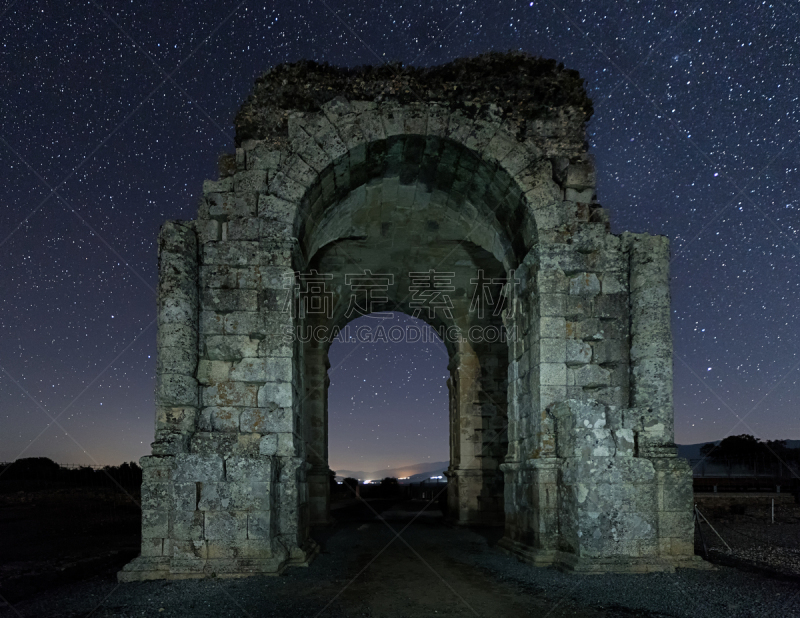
column 561, row 429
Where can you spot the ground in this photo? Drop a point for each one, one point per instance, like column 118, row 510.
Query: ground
column 364, row 569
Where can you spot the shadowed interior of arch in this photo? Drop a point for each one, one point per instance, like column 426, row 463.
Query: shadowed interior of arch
column 394, row 243
column 413, row 181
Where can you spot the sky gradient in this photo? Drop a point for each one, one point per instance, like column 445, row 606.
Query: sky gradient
column 122, row 108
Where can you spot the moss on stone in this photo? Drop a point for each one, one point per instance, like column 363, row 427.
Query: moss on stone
column 519, row 86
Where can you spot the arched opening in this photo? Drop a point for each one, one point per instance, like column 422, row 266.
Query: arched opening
column 416, row 233
column 388, row 408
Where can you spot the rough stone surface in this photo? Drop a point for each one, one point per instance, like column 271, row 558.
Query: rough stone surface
column 561, row 428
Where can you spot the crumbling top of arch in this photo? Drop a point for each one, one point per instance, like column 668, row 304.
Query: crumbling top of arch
column 514, row 86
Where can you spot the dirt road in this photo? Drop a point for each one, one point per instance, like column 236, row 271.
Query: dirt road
column 418, row 573
column 432, row 569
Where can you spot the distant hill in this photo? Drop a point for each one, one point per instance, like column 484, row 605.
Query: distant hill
column 692, row 451
column 422, row 470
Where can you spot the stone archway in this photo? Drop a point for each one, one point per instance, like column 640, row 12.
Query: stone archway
column 488, row 172
column 477, row 363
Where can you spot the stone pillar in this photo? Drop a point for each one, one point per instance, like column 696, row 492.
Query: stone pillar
column 464, row 474
column 477, row 435
column 176, row 353
column 531, row 468
column 651, row 341
column 651, row 394
column 315, row 413
column 607, row 496
column 176, row 396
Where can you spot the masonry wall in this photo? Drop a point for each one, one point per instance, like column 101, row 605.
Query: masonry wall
column 567, row 427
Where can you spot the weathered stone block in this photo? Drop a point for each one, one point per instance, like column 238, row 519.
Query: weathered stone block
column 250, row 181
column 243, row 323
column 186, row 525
column 225, row 525
column 277, row 344
column 190, row 550
column 157, row 469
column 266, row 420
column 578, row 352
column 231, row 347
column 553, row 351
column 184, row 496
column 273, row 208
column 552, row 327
column 176, row 390
column 286, row 445
column 230, row 394
column 586, row 196
column 177, row 419
column 581, row 174
column 245, row 495
column 677, row 524
column 216, row 418
column 186, row 566
column 217, row 186
column 258, row 525
column 247, row 444
column 611, row 351
column 262, row 157
column 585, row 284
column 213, row 442
column 592, row 376
column 213, row 371
column 211, row 323
column 249, row 469
column 207, row 230
column 553, row 374
column 243, row 229
column 218, row 204
column 552, row 305
column 283, row 187
column 176, row 309
column 231, row 253
column 587, row 330
column 152, row 547
column 278, row 394
column 625, row 442
column 277, row 249
column 190, row 467
column 249, row 370
column 182, row 361
column 224, row 300
column 155, row 523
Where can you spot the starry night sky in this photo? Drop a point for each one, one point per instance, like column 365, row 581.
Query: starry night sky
column 122, row 109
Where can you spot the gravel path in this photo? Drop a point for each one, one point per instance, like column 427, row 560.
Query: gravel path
column 441, row 571
column 753, row 537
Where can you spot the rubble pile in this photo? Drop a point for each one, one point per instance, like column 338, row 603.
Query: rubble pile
column 514, row 85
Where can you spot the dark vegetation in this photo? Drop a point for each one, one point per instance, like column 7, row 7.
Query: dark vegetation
column 40, row 472
column 519, row 86
column 745, row 463
column 747, row 449
column 60, row 524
